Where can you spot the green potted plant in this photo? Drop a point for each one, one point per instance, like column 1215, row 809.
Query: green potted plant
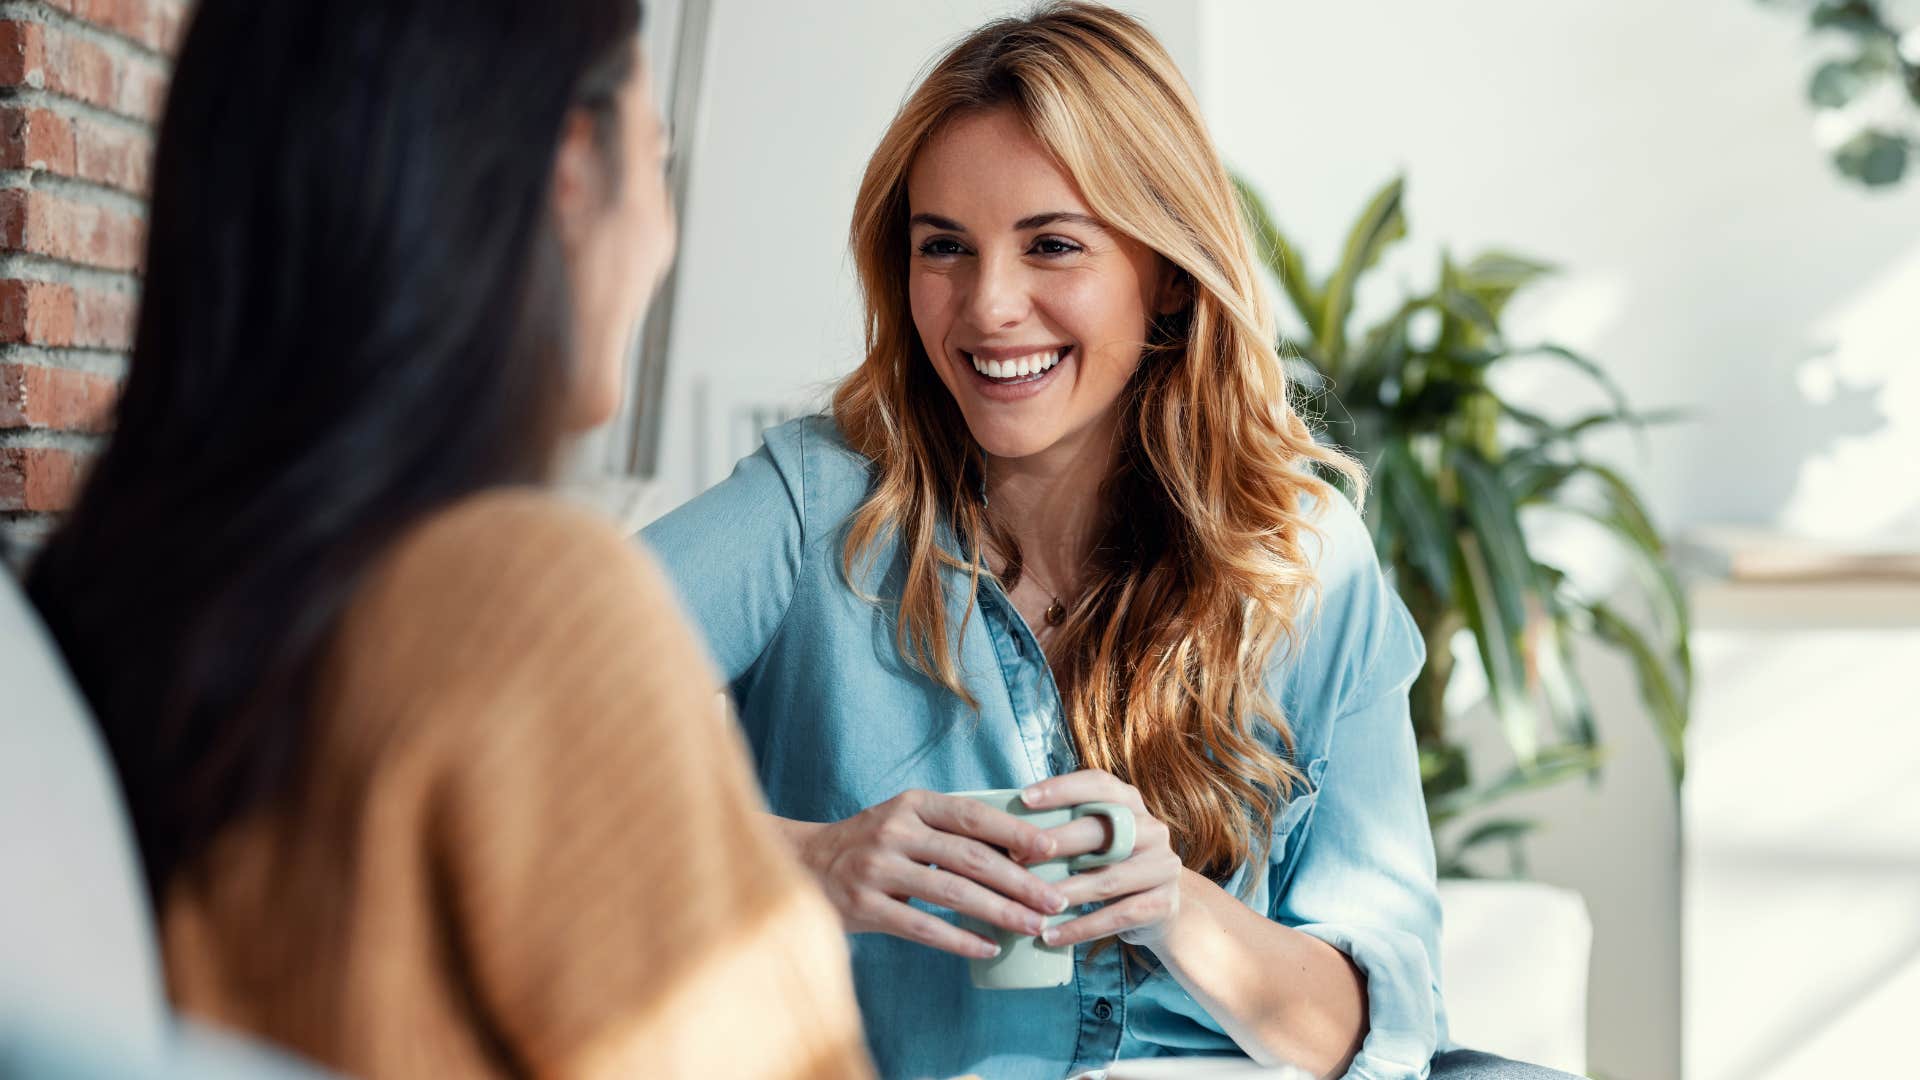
column 1459, row 475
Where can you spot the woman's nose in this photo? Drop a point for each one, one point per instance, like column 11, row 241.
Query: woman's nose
column 999, row 296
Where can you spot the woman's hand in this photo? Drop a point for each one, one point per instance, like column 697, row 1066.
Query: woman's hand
column 1141, row 893
column 945, row 850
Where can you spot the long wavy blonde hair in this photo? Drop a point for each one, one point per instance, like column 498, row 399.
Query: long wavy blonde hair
column 1163, row 660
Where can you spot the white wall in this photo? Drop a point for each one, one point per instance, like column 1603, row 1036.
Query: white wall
column 1662, row 153
column 797, row 96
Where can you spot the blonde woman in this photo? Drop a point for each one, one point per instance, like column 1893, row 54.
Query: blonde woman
column 1063, row 532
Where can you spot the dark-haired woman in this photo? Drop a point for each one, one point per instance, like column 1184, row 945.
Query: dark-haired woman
column 407, row 799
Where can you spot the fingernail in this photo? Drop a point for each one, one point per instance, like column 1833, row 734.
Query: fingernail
column 1034, row 924
column 1049, row 936
column 990, row 952
column 1043, row 848
column 1058, row 902
column 1031, row 796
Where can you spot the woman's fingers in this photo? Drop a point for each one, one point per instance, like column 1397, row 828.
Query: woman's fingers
column 955, row 893
column 1140, row 909
column 976, row 861
column 1082, row 836
column 966, row 817
column 1121, row 879
column 883, row 914
column 1085, row 786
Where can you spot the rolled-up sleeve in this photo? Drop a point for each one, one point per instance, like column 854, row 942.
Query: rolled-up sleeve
column 1361, row 877
column 1363, row 882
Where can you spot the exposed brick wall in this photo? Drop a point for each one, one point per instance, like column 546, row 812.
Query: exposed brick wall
column 82, row 84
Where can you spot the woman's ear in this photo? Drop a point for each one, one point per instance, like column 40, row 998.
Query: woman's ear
column 1175, row 291
column 579, row 178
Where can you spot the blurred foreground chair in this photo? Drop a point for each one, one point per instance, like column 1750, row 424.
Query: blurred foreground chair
column 81, row 994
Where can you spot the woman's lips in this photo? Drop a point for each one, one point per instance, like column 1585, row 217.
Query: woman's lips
column 1041, row 367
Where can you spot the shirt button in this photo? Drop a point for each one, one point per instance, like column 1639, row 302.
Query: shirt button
column 1103, row 1010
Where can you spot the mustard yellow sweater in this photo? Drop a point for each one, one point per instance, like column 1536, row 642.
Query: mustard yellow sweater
column 526, row 841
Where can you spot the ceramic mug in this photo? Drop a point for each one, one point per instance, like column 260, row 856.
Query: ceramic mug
column 1024, row 962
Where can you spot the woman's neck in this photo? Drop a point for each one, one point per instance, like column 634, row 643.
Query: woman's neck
column 1052, row 504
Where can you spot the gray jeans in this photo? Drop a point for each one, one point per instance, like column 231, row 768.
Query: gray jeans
column 1474, row 1065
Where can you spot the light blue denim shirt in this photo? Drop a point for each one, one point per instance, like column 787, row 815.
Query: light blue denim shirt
column 838, row 721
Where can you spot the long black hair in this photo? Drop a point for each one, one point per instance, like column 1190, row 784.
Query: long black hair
column 355, row 311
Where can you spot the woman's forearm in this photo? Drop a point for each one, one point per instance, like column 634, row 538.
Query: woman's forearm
column 1280, row 994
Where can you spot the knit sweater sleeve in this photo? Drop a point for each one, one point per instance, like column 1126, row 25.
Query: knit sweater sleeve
column 613, row 899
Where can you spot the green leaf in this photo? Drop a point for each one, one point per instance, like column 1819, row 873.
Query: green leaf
column 1560, row 681
column 1281, row 257
column 1624, row 514
column 1657, row 688
column 1875, row 158
column 1499, row 645
column 1549, row 767
column 1493, row 277
column 1587, row 367
column 1551, row 431
column 1382, row 358
column 1837, row 82
column 1381, row 224
column 1408, row 495
column 1498, row 829
column 1471, row 324
column 1494, row 517
column 1857, row 17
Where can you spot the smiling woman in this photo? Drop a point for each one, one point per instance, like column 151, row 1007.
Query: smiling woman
column 1063, row 532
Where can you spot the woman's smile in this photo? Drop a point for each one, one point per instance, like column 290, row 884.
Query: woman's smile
column 1016, row 373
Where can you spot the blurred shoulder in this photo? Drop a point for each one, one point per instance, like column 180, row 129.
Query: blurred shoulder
column 510, row 561
column 1337, row 545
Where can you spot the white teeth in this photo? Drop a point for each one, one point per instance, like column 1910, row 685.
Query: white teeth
column 1030, row 364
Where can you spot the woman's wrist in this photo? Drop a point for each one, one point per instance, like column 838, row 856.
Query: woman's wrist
column 799, row 837
column 1170, row 942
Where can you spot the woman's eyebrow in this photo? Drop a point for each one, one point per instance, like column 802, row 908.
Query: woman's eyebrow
column 937, row 222
column 1031, row 221
column 1039, row 221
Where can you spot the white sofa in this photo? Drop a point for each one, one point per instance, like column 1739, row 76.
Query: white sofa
column 80, row 986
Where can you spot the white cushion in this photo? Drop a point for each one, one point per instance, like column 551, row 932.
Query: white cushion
column 76, row 939
column 1513, row 969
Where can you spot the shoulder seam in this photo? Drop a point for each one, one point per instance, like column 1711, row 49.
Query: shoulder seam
column 800, row 510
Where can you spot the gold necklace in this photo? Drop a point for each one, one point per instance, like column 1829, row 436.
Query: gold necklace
column 1056, row 611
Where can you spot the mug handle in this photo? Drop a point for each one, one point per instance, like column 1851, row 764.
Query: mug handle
column 1121, row 818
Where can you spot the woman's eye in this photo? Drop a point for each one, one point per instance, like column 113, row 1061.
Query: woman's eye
column 1052, row 246
column 938, row 246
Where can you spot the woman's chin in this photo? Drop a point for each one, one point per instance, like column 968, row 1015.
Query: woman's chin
column 1011, row 442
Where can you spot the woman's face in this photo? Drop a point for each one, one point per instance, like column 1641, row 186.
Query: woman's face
column 617, row 227
column 1033, row 312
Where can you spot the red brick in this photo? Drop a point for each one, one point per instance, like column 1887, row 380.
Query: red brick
column 56, row 399
column 111, row 156
column 40, row 478
column 44, row 141
column 73, row 66
column 79, row 68
column 37, row 313
column 153, row 23
column 36, row 139
column 44, row 224
column 23, row 56
column 141, row 92
column 104, row 320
